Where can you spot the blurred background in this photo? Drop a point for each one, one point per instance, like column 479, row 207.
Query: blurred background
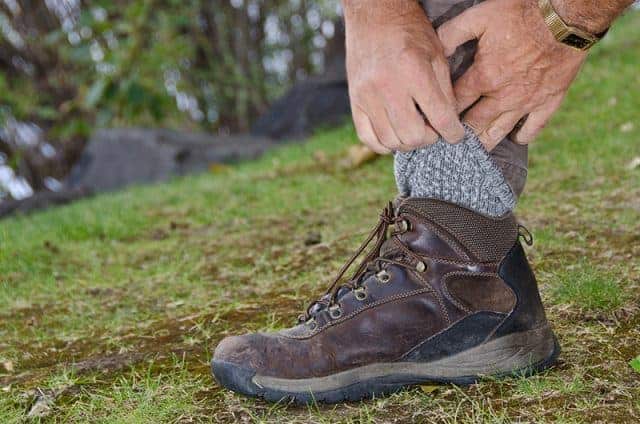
column 207, row 70
column 97, row 95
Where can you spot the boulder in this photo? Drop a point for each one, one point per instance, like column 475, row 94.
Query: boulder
column 317, row 102
column 115, row 158
column 308, row 105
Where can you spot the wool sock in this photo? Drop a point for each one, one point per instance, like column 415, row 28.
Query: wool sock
column 463, row 173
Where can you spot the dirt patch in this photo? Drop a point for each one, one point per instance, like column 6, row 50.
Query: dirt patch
column 191, row 336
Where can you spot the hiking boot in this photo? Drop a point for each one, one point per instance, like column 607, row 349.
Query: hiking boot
column 445, row 295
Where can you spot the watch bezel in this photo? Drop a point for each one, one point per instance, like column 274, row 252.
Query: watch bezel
column 589, row 40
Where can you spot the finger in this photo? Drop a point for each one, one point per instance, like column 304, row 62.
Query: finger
column 379, row 119
column 365, row 131
column 409, row 125
column 536, row 121
column 499, row 129
column 443, row 76
column 469, row 25
column 468, row 88
column 439, row 111
column 483, row 113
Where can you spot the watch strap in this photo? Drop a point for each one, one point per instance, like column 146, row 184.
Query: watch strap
column 567, row 34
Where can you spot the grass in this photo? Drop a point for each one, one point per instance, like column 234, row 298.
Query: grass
column 589, row 289
column 110, row 307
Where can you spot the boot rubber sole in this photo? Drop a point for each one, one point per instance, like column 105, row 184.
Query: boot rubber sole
column 517, row 354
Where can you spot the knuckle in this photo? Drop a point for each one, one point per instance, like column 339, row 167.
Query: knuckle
column 485, row 77
column 416, row 138
column 442, row 121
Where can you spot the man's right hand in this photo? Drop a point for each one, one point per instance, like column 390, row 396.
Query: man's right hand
column 399, row 83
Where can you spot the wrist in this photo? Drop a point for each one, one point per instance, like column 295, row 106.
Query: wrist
column 592, row 16
column 379, row 12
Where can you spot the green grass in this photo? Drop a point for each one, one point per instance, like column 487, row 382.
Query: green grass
column 589, row 289
column 539, row 386
column 110, row 307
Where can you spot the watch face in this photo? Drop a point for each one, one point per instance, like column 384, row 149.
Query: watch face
column 576, row 41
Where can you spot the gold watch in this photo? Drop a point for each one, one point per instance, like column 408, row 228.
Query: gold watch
column 569, row 35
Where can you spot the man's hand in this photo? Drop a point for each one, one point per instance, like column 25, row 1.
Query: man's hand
column 399, row 83
column 520, row 70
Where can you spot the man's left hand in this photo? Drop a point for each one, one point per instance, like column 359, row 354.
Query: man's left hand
column 520, row 70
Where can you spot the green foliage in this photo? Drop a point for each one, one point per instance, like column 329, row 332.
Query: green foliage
column 635, row 364
column 193, row 64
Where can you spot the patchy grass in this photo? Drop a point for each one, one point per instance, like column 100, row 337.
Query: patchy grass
column 540, row 386
column 589, row 289
column 110, row 307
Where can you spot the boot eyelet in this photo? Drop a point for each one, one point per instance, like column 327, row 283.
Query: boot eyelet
column 383, row 276
column 360, row 293
column 335, row 312
column 421, row 266
column 404, row 226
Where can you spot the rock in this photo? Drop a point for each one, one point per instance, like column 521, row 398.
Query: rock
column 316, row 102
column 307, row 106
column 115, row 158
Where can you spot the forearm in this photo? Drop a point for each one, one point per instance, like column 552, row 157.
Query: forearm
column 380, row 11
column 594, row 16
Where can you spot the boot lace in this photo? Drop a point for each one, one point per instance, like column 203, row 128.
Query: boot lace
column 373, row 262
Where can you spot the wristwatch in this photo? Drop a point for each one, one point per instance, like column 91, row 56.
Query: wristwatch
column 569, row 35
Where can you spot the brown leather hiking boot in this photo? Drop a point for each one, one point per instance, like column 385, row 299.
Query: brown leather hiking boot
column 447, row 296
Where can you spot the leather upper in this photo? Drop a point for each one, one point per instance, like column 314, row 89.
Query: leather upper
column 414, row 305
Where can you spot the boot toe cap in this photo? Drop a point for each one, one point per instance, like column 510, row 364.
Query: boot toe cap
column 261, row 353
column 239, row 350
column 232, row 362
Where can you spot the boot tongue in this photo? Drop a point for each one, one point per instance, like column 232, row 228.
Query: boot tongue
column 389, row 250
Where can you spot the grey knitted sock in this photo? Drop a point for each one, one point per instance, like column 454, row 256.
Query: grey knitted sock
column 462, row 173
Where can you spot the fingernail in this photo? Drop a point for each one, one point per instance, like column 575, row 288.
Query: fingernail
column 462, row 133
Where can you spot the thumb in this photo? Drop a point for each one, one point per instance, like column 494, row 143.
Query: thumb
column 467, row 26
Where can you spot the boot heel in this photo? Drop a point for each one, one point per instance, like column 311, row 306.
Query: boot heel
column 515, row 354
